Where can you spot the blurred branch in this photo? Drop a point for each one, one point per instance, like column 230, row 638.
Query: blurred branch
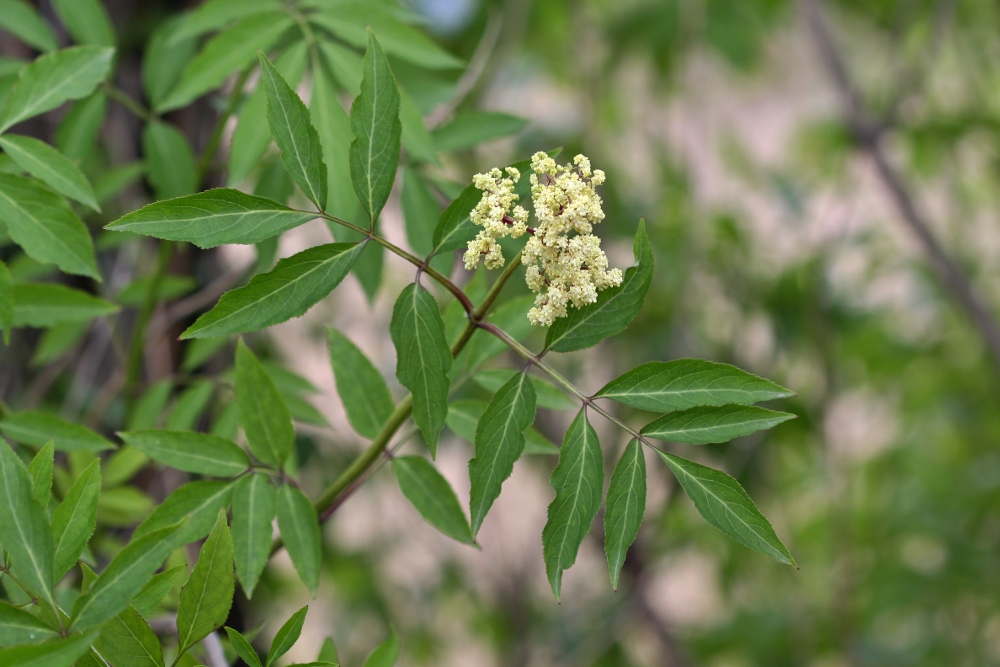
column 868, row 133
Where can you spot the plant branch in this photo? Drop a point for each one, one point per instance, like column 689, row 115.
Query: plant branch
column 137, row 347
column 127, row 101
column 868, row 137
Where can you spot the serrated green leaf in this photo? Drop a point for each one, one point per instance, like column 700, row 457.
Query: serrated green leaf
column 499, row 443
column 624, row 507
column 127, row 573
column 215, row 14
column 196, row 504
column 664, row 386
column 24, row 22
column 208, row 594
column 86, row 21
column 709, row 424
column 286, row 636
column 190, row 405
column 432, row 496
column 55, row 653
column 49, row 304
column 386, row 654
column 614, row 309
column 464, row 416
column 253, row 511
column 123, row 506
column 37, row 428
column 724, row 504
column 167, row 53
column 40, row 472
column 55, row 78
column 360, row 385
column 415, row 137
column 211, row 218
column 263, row 413
column 57, row 341
column 75, row 519
column 243, row 648
column 24, row 527
column 299, row 528
column 578, row 481
column 191, row 452
column 170, row 162
column 292, row 131
column 420, row 212
column 374, row 153
column 473, row 128
column 231, row 49
column 423, row 358
column 546, row 394
column 149, row 598
column 19, row 627
column 295, row 285
column 44, row 225
column 50, row 166
column 349, row 20
column 6, row 303
column 128, row 640
column 76, row 136
column 328, row 652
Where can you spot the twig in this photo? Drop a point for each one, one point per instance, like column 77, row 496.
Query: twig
column 868, row 135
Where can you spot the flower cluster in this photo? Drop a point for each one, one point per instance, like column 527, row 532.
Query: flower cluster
column 493, row 213
column 564, row 260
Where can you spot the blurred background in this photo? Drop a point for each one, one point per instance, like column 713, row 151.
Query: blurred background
column 820, row 185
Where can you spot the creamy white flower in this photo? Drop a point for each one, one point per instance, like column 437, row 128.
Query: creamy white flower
column 564, row 261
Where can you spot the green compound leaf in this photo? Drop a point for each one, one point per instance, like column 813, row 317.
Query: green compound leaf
column 293, row 132
column 53, row 79
column 44, row 225
column 51, row 167
column 724, row 504
column 208, row 594
column 164, row 58
column 37, row 428
column 432, row 496
column 50, row 304
column 24, row 527
column 75, row 519
column 386, row 654
column 664, row 386
column 294, row 286
column 169, row 160
column 423, row 358
column 76, row 136
column 211, row 218
column 24, row 22
column 377, row 130
column 578, row 481
column 360, row 385
column 253, row 512
column 299, row 528
column 614, row 309
column 708, row 424
column 191, row 452
column 128, row 640
column 499, row 443
column 40, row 472
column 624, row 507
column 263, row 413
column 19, row 627
column 127, row 573
column 6, row 303
column 225, row 53
column 55, row 653
column 196, row 504
column 286, row 636
column 243, row 648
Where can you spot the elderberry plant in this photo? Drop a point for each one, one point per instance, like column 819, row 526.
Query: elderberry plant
column 95, row 571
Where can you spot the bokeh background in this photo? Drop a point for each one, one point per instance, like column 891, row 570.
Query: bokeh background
column 820, row 185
